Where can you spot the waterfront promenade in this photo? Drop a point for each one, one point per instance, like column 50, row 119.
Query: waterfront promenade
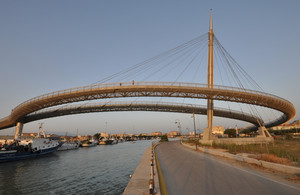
column 190, row 172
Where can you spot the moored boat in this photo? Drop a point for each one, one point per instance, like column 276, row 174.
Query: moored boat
column 69, row 146
column 89, row 143
column 18, row 150
column 114, row 140
column 105, row 141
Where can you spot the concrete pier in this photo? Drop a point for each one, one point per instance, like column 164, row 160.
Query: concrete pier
column 139, row 183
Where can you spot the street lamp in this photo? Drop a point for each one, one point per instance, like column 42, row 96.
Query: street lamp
column 193, row 116
column 179, row 125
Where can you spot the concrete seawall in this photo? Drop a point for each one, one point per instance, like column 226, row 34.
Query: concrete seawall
column 139, row 183
column 269, row 165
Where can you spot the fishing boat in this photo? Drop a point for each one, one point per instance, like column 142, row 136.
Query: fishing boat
column 11, row 150
column 27, row 149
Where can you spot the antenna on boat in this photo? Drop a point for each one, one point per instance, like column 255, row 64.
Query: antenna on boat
column 40, row 129
column 41, row 126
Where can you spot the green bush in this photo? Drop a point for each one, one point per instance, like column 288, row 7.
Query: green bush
column 230, row 132
column 276, row 148
column 164, row 138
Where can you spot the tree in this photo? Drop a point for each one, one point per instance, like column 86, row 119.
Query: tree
column 246, row 131
column 230, row 132
column 164, row 138
column 97, row 136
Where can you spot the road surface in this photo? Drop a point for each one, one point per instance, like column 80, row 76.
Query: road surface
column 190, row 172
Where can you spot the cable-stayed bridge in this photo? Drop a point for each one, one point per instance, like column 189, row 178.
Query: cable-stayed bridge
column 25, row 112
column 34, row 109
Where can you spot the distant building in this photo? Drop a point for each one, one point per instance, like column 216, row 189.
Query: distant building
column 52, row 135
column 29, row 134
column 158, row 133
column 104, row 134
column 122, row 135
column 84, row 137
column 287, row 126
column 218, row 130
column 192, row 133
column 174, row 133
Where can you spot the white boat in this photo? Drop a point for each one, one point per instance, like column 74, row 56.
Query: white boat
column 69, row 146
column 114, row 140
column 121, row 140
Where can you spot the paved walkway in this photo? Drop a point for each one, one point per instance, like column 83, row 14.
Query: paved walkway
column 190, row 172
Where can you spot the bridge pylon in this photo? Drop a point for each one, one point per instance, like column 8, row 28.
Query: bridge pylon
column 19, row 130
column 210, row 82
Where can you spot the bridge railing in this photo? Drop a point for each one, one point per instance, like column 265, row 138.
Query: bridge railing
column 134, row 83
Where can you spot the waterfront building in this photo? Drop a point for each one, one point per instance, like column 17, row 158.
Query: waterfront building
column 191, row 133
column 52, row 136
column 218, row 130
column 104, row 134
column 174, row 133
column 158, row 133
column 28, row 135
column 114, row 135
column 85, row 137
column 287, row 126
column 122, row 135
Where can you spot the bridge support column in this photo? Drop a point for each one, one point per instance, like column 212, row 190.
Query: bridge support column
column 263, row 132
column 207, row 135
column 19, row 129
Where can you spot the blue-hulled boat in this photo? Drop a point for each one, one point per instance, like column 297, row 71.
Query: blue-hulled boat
column 28, row 149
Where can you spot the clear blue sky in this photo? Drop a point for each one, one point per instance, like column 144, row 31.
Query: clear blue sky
column 53, row 45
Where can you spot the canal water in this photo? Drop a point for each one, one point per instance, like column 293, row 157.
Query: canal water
column 95, row 170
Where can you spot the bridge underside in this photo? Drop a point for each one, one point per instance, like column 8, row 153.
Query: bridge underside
column 139, row 106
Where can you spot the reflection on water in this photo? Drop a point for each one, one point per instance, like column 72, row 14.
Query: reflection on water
column 95, row 170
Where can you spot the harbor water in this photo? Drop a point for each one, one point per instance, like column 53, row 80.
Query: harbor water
column 99, row 170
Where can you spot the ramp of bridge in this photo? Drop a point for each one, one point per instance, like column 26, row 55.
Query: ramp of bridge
column 151, row 89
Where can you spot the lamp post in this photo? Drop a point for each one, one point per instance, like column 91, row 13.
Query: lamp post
column 193, row 116
column 177, row 122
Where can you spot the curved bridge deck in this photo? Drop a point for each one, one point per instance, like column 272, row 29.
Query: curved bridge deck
column 151, row 89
